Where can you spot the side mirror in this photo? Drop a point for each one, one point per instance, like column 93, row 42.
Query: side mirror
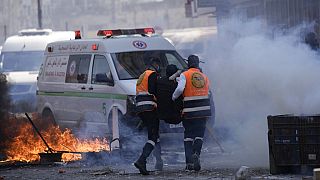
column 104, row 79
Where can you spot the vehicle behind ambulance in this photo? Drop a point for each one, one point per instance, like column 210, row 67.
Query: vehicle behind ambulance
column 21, row 57
column 88, row 85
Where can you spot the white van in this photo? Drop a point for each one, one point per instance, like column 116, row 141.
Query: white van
column 20, row 61
column 89, row 85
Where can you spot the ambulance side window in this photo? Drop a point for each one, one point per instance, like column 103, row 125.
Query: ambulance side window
column 78, row 68
column 101, row 73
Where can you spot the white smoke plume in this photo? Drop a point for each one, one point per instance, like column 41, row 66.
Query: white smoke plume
column 253, row 75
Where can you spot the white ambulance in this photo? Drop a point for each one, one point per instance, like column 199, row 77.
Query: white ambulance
column 88, row 85
column 21, row 57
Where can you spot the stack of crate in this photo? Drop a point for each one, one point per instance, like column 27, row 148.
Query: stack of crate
column 294, row 143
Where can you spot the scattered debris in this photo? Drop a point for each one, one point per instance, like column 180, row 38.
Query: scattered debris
column 122, row 172
column 243, row 173
column 60, row 163
column 61, row 171
column 102, row 172
column 316, row 173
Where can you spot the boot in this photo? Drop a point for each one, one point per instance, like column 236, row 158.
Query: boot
column 157, row 154
column 196, row 162
column 142, row 161
column 189, row 167
column 197, row 146
column 188, row 151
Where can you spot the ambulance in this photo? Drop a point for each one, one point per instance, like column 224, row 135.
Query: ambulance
column 89, row 85
column 20, row 60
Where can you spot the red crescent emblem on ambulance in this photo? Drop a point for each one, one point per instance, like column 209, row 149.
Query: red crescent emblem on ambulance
column 139, row 44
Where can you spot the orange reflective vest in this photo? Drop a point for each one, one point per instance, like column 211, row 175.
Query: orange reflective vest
column 144, row 100
column 196, row 102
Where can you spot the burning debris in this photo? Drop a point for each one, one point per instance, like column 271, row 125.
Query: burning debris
column 4, row 108
column 24, row 144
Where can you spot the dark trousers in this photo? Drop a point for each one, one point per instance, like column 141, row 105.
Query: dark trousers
column 151, row 121
column 193, row 136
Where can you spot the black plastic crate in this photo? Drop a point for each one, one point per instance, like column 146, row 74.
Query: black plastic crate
column 310, row 154
column 310, row 129
column 284, row 129
column 294, row 142
column 286, row 154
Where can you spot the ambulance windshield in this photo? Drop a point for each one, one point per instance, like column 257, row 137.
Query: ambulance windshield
column 21, row 61
column 130, row 65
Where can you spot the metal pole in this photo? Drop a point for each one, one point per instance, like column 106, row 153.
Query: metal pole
column 211, row 133
column 82, row 31
column 5, row 32
column 39, row 15
column 35, row 128
column 115, row 129
column 113, row 11
column 67, row 26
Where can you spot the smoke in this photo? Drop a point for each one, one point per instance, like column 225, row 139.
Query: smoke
column 255, row 73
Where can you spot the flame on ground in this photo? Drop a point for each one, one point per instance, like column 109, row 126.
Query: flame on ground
column 26, row 144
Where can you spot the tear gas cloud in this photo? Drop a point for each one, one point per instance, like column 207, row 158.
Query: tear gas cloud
column 253, row 75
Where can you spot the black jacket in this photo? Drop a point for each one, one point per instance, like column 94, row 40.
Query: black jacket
column 152, row 83
column 168, row 110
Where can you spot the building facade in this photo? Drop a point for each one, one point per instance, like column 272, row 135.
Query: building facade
column 274, row 13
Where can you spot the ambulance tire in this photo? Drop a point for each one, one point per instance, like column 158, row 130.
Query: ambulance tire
column 47, row 118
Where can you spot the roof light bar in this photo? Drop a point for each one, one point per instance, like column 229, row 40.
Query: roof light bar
column 105, row 33
column 118, row 32
column 149, row 30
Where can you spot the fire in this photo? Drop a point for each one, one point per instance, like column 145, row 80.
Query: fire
column 26, row 144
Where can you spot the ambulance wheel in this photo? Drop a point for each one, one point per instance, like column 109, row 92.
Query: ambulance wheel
column 48, row 118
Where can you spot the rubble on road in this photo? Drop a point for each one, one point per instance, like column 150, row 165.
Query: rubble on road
column 242, row 173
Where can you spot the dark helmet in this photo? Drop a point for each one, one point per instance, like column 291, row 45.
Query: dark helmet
column 193, row 61
column 171, row 69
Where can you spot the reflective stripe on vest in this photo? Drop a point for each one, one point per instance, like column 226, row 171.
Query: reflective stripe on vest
column 144, row 100
column 196, row 102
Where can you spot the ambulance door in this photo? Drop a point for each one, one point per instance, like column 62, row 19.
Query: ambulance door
column 103, row 95
column 76, row 89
